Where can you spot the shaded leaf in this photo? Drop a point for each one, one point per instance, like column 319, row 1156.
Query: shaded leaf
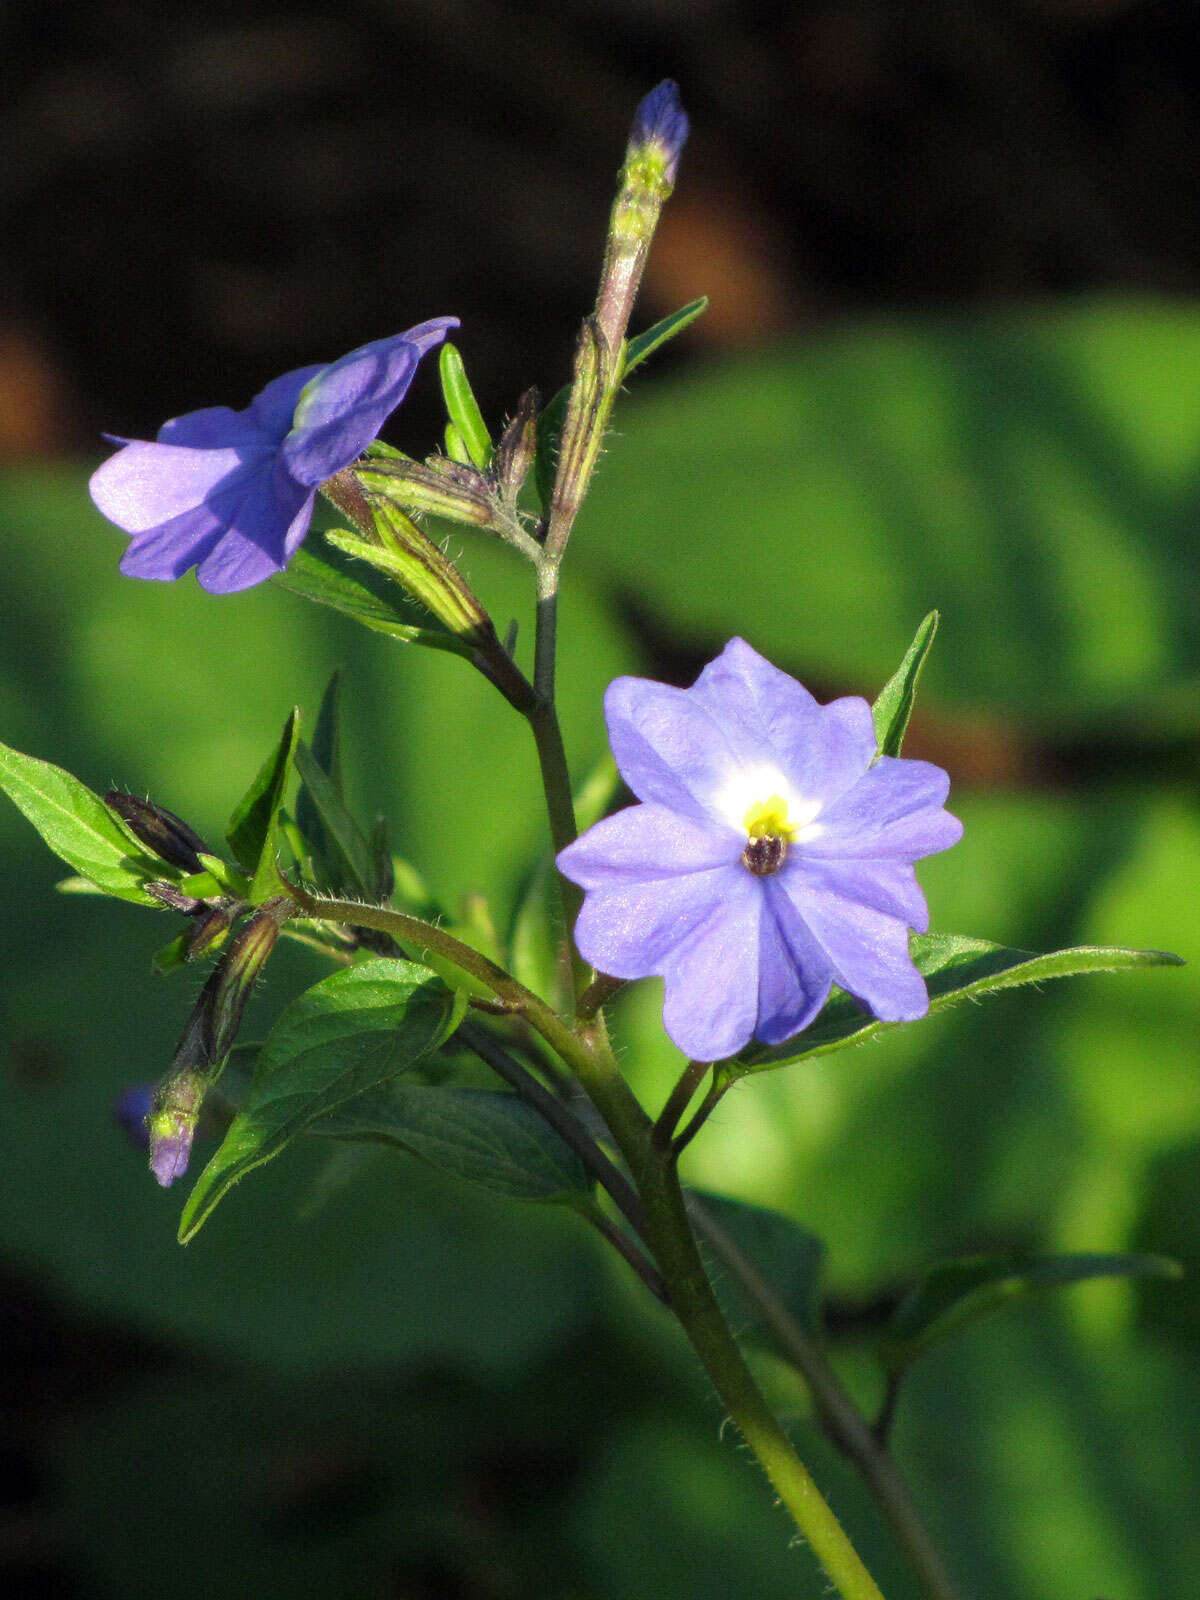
column 484, row 1135
column 894, row 705
column 314, row 575
column 786, row 1256
column 954, row 1294
column 79, row 827
column 251, row 830
column 329, row 863
column 954, row 968
column 343, row 829
column 344, row 1036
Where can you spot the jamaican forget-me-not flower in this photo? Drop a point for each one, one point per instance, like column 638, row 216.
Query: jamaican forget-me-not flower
column 232, row 492
column 770, row 857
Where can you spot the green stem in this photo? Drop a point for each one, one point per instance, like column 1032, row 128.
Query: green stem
column 839, row 1416
column 677, row 1103
column 699, row 1117
column 692, row 1300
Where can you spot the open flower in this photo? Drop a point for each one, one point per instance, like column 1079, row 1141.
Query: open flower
column 771, row 856
column 232, row 492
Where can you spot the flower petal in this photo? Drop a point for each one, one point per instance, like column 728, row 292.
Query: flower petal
column 794, row 973
column 887, row 886
column 867, row 950
column 893, row 811
column 668, row 747
column 166, row 553
column 273, row 408
column 214, row 428
column 345, row 405
column 144, row 486
column 645, row 843
column 630, row 927
column 262, row 530
column 712, row 975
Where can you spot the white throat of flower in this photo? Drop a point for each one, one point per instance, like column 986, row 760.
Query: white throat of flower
column 762, row 804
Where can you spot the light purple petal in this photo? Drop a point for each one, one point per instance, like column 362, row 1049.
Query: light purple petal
column 887, row 886
column 711, row 976
column 630, row 928
column 646, row 842
column 794, row 973
column 347, row 403
column 758, row 706
column 668, row 747
column 893, row 811
column 147, row 485
column 166, row 553
column 867, row 950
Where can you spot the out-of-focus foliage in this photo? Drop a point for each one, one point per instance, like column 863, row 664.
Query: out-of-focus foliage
column 1038, row 480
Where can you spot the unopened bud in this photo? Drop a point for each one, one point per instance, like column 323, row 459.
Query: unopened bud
column 420, row 568
column 228, row 989
column 171, row 1123
column 212, row 924
column 660, row 130
column 518, row 446
column 440, row 487
column 166, row 834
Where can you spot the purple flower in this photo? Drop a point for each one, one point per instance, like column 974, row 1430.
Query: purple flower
column 232, row 492
column 771, row 856
column 661, row 122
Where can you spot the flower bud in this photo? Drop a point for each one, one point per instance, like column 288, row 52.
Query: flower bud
column 440, row 487
column 660, row 130
column 171, row 1123
column 228, row 989
column 518, row 446
column 166, row 834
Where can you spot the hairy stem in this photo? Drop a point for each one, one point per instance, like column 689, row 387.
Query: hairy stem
column 839, row 1416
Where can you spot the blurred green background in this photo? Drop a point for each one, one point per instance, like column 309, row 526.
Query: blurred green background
column 424, row 1393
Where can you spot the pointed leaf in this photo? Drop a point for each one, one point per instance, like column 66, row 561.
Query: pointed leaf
column 637, row 350
column 954, row 1294
column 329, row 864
column 252, row 825
column 484, row 1135
column 79, row 827
column 954, row 968
column 784, row 1255
column 463, row 408
column 313, row 574
column 345, row 1036
column 331, row 809
column 894, row 705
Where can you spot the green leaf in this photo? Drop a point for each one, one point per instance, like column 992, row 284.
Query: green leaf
column 79, row 827
column 550, row 423
column 894, row 705
column 313, row 574
column 954, row 1294
column 463, row 408
column 484, row 1135
column 786, row 1256
column 343, row 830
column 637, row 350
column 172, row 956
column 251, row 831
column 329, row 862
column 954, row 968
column 344, row 1036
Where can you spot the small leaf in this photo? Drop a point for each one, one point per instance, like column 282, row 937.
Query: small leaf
column 637, row 350
column 490, row 1138
column 172, row 956
column 894, row 705
column 954, row 968
column 456, row 447
column 344, row 1036
column 329, row 864
column 550, row 424
column 343, row 830
column 463, row 408
column 314, row 574
column 786, row 1256
column 79, row 827
column 251, row 830
column 954, row 1294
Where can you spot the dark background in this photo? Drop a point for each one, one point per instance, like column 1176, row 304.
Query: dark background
column 196, row 199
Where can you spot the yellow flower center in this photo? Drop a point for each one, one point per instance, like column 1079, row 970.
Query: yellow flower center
column 769, row 831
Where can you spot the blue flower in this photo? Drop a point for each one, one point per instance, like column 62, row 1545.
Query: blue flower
column 770, row 858
column 232, row 492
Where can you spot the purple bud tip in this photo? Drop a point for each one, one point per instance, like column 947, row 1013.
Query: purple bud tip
column 170, row 1152
column 131, row 1110
column 662, row 121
